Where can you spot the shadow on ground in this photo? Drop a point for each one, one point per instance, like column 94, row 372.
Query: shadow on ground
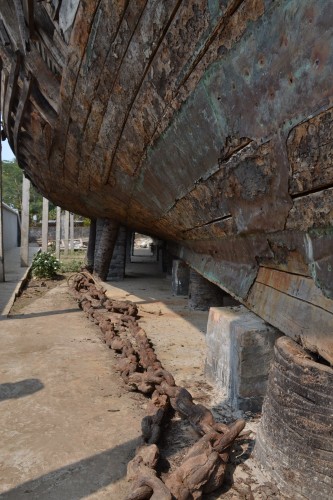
column 77, row 480
column 15, row 390
column 39, row 314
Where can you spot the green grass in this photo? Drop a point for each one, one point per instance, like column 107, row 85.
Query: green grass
column 73, row 262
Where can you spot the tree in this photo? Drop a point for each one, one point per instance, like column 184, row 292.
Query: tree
column 12, row 184
column 12, row 190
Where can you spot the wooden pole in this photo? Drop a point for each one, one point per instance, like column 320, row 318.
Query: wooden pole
column 66, row 234
column 45, row 224
column 58, row 222
column 106, row 232
column 25, row 222
column 71, row 231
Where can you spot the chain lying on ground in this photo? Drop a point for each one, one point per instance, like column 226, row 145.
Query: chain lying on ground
column 203, row 467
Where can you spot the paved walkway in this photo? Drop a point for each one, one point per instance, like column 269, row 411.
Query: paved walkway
column 14, row 274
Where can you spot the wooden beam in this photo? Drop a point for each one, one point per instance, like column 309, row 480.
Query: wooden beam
column 4, row 83
column 4, row 38
column 24, row 98
column 47, row 82
column 294, row 305
column 22, row 26
column 300, row 287
column 11, row 90
column 11, row 25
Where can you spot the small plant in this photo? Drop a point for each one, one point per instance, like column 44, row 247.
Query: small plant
column 71, row 266
column 45, row 265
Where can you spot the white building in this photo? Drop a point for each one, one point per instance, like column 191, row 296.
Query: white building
column 11, row 227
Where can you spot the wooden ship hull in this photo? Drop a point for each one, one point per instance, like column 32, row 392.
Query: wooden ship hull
column 206, row 124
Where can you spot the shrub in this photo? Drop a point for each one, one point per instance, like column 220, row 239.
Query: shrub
column 45, row 265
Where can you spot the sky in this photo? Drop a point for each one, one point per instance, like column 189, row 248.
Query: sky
column 7, row 153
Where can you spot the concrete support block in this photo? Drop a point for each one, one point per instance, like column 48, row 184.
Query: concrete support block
column 240, row 351
column 180, row 277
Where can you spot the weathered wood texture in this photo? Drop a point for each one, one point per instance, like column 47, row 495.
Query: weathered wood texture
column 106, row 237
column 294, row 442
column 295, row 305
column 208, row 124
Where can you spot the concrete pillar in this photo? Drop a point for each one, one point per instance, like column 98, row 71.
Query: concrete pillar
column 118, row 261
column 203, row 294
column 66, row 233
column 45, row 224
column 71, row 232
column 91, row 246
column 25, row 222
column 240, row 349
column 129, row 243
column 58, row 228
column 180, row 277
column 2, row 257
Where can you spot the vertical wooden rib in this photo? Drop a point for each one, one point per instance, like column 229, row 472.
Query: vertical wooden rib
column 20, row 111
column 11, row 89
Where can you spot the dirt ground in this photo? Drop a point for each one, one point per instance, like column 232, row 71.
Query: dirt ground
column 69, row 427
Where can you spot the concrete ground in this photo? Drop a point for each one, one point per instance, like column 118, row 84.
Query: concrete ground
column 68, row 426
column 14, row 274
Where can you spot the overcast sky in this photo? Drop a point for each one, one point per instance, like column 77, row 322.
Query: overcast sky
column 7, row 153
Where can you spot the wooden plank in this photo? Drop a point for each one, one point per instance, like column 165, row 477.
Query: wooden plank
column 20, row 111
column 31, row 20
column 28, row 9
column 306, row 323
column 309, row 148
column 21, row 24
column 3, row 34
column 8, row 17
column 52, row 51
column 312, row 210
column 300, row 287
column 11, row 89
column 47, row 82
column 4, row 83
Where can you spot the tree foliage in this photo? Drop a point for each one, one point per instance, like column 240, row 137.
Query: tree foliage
column 12, row 177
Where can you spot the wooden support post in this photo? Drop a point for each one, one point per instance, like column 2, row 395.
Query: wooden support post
column 45, row 224
column 25, row 222
column 107, row 232
column 58, row 222
column 71, row 231
column 66, row 234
